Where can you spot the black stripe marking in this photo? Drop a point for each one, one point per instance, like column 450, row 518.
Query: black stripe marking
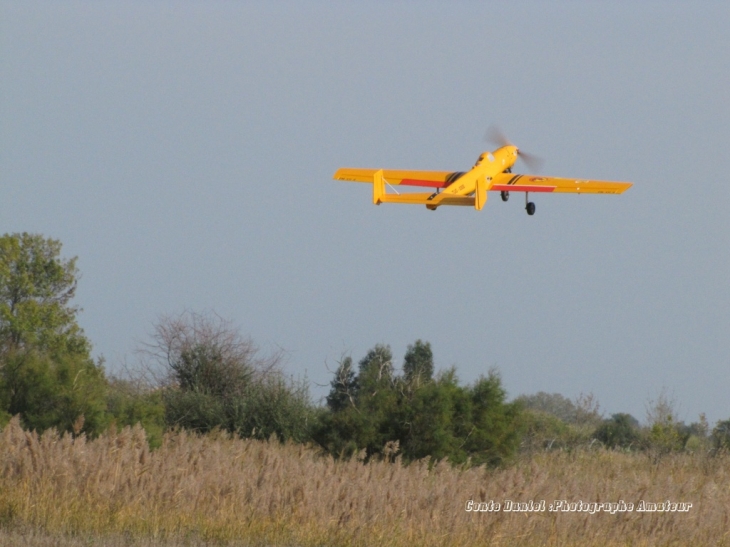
column 453, row 177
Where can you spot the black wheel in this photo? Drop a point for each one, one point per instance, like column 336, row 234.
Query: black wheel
column 530, row 207
column 505, row 195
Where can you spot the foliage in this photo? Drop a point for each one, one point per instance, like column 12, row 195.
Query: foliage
column 701, row 428
column 554, row 404
column 587, row 411
column 36, row 286
column 418, row 363
column 721, row 435
column 131, row 402
column 493, row 435
column 621, row 430
column 214, row 378
column 667, row 436
column 66, row 392
column 376, row 410
column 551, row 421
column 273, row 406
column 584, row 411
column 665, row 433
column 544, row 431
column 46, row 372
column 343, row 386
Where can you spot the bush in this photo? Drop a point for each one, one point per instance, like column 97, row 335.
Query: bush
column 131, row 402
column 621, row 431
column 582, row 412
column 66, row 392
column 667, row 436
column 214, row 378
column 666, row 433
column 543, row 431
column 721, row 435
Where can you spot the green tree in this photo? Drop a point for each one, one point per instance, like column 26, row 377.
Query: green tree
column 46, row 372
column 361, row 406
column 343, row 386
column 36, row 287
column 418, row 363
column 431, row 416
column 622, row 431
column 376, row 369
column 494, row 434
column 378, row 410
column 376, row 399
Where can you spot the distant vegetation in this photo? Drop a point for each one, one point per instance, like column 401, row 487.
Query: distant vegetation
column 201, row 374
column 382, row 413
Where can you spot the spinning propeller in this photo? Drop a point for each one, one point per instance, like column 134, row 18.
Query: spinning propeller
column 495, row 136
column 534, row 163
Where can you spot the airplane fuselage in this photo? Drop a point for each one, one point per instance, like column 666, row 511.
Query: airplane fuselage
column 486, row 167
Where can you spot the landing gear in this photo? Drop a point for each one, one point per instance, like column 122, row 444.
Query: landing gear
column 529, row 206
column 505, row 195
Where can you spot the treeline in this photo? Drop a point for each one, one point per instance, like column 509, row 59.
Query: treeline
column 200, row 373
column 379, row 412
column 551, row 421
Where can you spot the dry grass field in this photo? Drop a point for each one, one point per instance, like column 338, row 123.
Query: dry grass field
column 213, row 490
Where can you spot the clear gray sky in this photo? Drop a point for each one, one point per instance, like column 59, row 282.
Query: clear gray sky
column 184, row 152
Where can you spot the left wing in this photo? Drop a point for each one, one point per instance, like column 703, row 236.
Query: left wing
column 395, row 177
column 509, row 182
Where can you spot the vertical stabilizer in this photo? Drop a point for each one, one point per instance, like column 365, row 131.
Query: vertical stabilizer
column 378, row 187
column 480, row 194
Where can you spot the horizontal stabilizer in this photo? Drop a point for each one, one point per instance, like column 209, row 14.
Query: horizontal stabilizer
column 414, row 198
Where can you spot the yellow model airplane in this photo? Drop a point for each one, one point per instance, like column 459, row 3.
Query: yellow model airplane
column 492, row 172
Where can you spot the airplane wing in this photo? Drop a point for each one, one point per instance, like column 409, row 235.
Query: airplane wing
column 394, row 177
column 509, row 182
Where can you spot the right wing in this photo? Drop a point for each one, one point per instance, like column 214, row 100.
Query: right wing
column 508, row 182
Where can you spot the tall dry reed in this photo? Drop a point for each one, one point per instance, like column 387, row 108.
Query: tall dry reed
column 221, row 489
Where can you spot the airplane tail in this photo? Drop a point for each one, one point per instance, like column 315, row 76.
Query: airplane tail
column 378, row 187
column 381, row 196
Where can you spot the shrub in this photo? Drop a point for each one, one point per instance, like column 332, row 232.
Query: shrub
column 131, row 402
column 721, row 435
column 213, row 377
column 621, row 430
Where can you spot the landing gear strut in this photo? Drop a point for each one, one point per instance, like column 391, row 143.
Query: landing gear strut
column 529, row 206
